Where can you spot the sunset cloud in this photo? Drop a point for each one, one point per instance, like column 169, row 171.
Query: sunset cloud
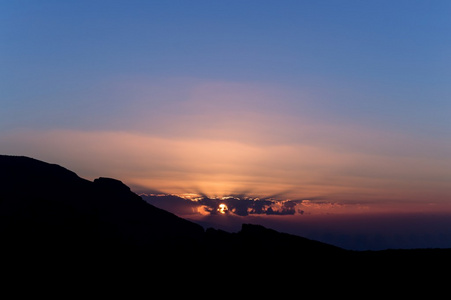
column 218, row 138
column 219, row 168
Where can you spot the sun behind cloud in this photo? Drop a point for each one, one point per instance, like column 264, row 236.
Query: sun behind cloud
column 222, row 209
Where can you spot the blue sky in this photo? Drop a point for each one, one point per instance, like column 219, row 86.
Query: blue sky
column 376, row 61
column 346, row 100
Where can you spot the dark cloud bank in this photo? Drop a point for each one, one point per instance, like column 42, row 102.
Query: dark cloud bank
column 236, row 205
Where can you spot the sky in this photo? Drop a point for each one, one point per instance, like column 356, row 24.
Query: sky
column 341, row 107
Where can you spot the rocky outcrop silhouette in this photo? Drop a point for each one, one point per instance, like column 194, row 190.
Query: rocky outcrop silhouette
column 45, row 207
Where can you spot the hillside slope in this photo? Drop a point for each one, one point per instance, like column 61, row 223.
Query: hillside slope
column 48, row 213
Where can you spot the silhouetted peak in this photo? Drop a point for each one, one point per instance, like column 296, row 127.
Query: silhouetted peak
column 111, row 184
column 255, row 229
column 277, row 241
column 22, row 166
column 29, row 177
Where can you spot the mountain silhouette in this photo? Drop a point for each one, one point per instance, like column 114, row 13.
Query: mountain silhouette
column 48, row 206
column 47, row 211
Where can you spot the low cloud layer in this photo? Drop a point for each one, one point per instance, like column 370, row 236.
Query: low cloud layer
column 244, row 207
column 200, row 205
column 225, row 205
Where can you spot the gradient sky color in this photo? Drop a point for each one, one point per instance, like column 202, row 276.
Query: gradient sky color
column 344, row 101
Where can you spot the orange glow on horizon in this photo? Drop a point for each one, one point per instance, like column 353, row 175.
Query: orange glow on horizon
column 223, row 167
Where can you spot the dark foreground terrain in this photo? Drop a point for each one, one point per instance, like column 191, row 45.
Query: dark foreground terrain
column 51, row 218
